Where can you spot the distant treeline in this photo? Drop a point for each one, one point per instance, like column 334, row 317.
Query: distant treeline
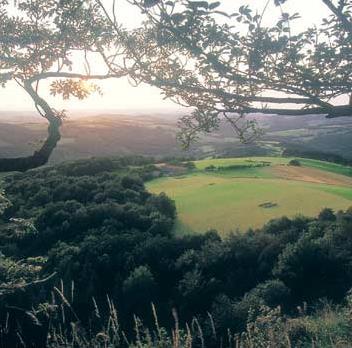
column 322, row 156
column 238, row 166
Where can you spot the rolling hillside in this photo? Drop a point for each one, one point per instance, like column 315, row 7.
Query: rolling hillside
column 240, row 193
column 88, row 133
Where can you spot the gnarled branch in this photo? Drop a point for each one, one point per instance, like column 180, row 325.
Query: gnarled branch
column 41, row 156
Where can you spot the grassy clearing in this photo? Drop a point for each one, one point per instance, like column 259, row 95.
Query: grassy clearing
column 327, row 166
column 339, row 191
column 230, row 199
column 205, row 202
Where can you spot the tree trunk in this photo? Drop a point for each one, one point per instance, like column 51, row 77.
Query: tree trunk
column 41, row 156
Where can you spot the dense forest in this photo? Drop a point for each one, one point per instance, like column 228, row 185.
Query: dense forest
column 89, row 229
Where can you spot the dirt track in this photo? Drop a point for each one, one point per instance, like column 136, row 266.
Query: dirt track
column 311, row 175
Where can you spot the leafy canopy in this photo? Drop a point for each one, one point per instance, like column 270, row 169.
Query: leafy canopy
column 55, row 39
column 226, row 65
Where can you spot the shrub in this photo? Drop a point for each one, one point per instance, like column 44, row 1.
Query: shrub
column 210, row 168
column 294, row 163
column 327, row 214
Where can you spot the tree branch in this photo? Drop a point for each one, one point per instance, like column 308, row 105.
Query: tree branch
column 243, row 98
column 333, row 112
column 346, row 23
column 55, row 74
column 41, row 156
column 26, row 286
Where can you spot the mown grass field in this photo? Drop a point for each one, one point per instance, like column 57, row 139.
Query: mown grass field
column 228, row 198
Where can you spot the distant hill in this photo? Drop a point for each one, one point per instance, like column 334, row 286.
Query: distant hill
column 87, row 134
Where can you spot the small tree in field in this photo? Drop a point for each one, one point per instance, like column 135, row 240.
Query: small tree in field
column 39, row 40
column 295, row 163
column 228, row 65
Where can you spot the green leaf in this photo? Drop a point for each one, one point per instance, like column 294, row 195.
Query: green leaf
column 178, row 17
column 196, row 4
column 150, row 3
column 214, row 5
column 279, row 2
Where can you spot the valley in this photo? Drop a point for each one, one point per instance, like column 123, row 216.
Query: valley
column 87, row 134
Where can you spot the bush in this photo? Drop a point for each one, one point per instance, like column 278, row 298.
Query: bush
column 140, row 290
column 189, row 165
column 327, row 214
column 210, row 168
column 294, row 163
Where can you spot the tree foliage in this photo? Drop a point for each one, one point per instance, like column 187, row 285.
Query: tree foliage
column 229, row 64
column 41, row 40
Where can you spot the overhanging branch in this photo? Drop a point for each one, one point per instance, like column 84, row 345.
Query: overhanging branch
column 41, row 156
column 53, row 74
column 341, row 16
column 333, row 112
column 242, row 98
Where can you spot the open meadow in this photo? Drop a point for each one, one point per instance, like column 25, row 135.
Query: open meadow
column 242, row 193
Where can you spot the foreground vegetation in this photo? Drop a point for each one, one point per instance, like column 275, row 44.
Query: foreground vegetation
column 219, row 193
column 74, row 234
column 327, row 326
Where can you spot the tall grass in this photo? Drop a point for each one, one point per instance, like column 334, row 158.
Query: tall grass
column 328, row 327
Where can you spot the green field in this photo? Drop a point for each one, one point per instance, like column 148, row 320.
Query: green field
column 230, row 199
column 327, row 166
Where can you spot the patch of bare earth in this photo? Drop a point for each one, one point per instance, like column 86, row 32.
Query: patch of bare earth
column 311, row 175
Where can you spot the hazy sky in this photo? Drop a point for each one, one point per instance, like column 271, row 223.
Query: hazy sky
column 118, row 94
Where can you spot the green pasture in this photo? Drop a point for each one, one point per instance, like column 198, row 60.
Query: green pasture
column 327, row 166
column 238, row 198
column 225, row 162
